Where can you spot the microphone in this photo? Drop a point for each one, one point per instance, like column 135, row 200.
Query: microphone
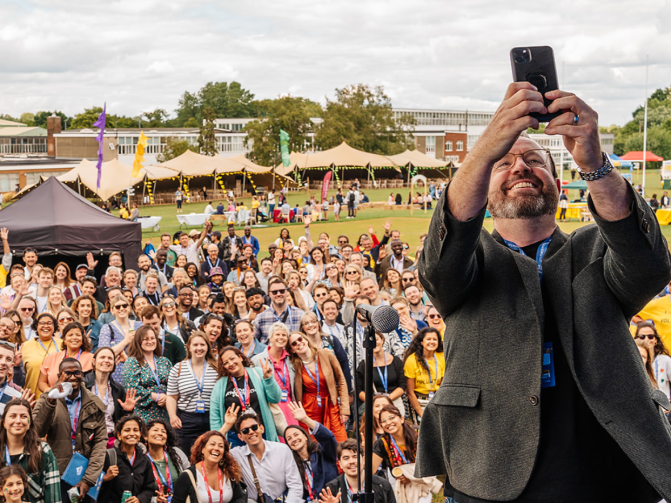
column 384, row 319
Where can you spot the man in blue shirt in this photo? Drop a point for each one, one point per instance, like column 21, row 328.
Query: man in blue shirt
column 249, row 239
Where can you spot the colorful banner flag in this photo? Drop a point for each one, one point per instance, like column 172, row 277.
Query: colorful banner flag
column 101, row 124
column 284, row 148
column 325, row 185
column 139, row 155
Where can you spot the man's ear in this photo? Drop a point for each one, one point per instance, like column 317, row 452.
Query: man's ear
column 558, row 184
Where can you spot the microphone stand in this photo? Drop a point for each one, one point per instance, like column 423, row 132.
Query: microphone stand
column 369, row 345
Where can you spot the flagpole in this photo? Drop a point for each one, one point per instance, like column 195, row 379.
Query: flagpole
column 645, row 126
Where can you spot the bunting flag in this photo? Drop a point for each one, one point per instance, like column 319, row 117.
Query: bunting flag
column 284, row 148
column 101, row 124
column 139, row 155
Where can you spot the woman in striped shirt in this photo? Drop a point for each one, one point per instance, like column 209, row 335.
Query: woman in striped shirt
column 190, row 386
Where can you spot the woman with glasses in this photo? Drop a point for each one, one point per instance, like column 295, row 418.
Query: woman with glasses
column 216, row 330
column 107, row 315
column 16, row 335
column 240, row 311
column 435, row 320
column 63, row 317
column 21, row 446
column 247, row 343
column 35, row 351
column 55, row 300
column 146, row 372
column 646, row 333
column 75, row 345
column 241, row 388
column 173, row 321
column 319, row 384
column 353, row 273
column 424, row 364
column 113, row 395
column 190, row 386
column 86, row 310
column 119, row 333
column 397, row 446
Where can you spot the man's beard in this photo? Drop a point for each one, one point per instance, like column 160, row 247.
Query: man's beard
column 523, row 206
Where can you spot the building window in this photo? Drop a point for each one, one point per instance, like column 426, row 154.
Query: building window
column 430, row 144
column 448, row 146
column 8, row 182
column 230, row 143
column 127, row 145
column 34, row 176
column 156, row 145
column 460, row 146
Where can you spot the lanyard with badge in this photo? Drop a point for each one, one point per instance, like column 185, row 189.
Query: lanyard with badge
column 309, row 480
column 207, row 484
column 316, row 380
column 244, row 397
column 75, row 420
column 435, row 361
column 285, row 380
column 162, row 481
column 385, row 379
column 2, row 393
column 156, row 378
column 399, row 453
column 548, row 361
column 200, row 404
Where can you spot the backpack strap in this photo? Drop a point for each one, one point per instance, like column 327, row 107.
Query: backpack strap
column 111, row 455
column 193, row 482
column 259, row 493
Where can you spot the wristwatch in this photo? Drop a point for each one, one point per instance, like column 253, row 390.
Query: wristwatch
column 590, row 176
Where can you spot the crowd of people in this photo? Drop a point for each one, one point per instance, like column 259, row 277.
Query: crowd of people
column 206, row 369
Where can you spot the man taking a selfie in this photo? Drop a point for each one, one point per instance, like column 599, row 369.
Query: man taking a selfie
column 544, row 397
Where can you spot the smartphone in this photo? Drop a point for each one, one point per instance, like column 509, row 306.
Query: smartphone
column 536, row 65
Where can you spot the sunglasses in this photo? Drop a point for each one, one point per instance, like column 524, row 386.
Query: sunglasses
column 298, row 341
column 433, row 316
column 121, row 306
column 27, row 309
column 352, row 272
column 72, row 373
column 408, row 280
column 648, row 336
column 45, row 324
column 317, row 295
column 8, row 344
column 278, row 292
column 245, row 431
column 68, row 319
column 168, row 304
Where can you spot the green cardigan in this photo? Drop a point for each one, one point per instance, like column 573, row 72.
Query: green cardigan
column 267, row 391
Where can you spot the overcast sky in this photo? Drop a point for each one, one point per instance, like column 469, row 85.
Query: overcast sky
column 138, row 55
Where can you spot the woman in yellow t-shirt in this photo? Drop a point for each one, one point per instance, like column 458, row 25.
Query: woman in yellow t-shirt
column 424, row 369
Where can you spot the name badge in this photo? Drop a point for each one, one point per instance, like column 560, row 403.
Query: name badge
column 431, row 393
column 200, row 407
column 285, row 395
column 548, row 366
column 319, row 400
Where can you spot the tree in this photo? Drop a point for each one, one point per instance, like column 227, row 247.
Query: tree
column 41, row 119
column 88, row 117
column 187, row 109
column 9, row 118
column 288, row 113
column 206, row 141
column 175, row 147
column 226, row 100
column 27, row 118
column 157, row 118
column 363, row 117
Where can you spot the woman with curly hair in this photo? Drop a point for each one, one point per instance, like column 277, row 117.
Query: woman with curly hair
column 646, row 334
column 245, row 388
column 424, row 365
column 167, row 460
column 20, row 443
column 75, row 345
column 214, row 474
column 86, row 309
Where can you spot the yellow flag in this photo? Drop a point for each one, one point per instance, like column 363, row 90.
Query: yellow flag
column 139, row 155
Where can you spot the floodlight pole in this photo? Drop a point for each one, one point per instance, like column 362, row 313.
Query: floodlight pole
column 645, row 126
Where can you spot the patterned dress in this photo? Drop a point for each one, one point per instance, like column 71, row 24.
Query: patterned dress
column 143, row 380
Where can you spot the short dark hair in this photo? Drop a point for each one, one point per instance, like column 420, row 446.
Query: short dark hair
column 219, row 299
column 149, row 312
column 276, row 279
column 254, row 291
column 267, row 259
column 331, row 301
column 68, row 360
column 125, row 419
column 243, row 417
column 348, row 445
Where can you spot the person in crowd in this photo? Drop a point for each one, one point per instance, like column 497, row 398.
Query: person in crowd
column 130, row 283
column 185, row 303
column 243, row 388
column 161, row 264
column 64, row 316
column 407, row 326
column 316, row 460
column 127, row 466
column 395, row 260
column 391, row 282
column 55, row 301
column 168, row 461
column 194, row 278
column 11, row 375
column 266, row 271
column 15, row 333
column 212, row 260
column 23, row 448
column 240, row 310
column 277, row 355
column 119, row 333
column 146, row 372
column 249, row 279
column 316, row 267
column 248, row 239
column 279, row 311
column 255, row 302
column 331, row 317
column 397, row 445
column 661, row 362
column 34, row 352
column 295, row 285
column 414, row 296
column 62, row 276
column 213, row 475
column 171, row 256
column 227, row 289
column 180, row 263
column 190, row 386
column 86, row 309
column 250, row 259
column 216, row 330
column 424, row 365
column 435, row 320
column 75, row 345
column 247, row 343
column 216, row 280
column 235, row 276
column 13, row 484
column 332, row 276
column 173, row 321
column 190, row 249
column 648, row 356
column 74, row 423
column 379, row 401
column 203, row 299
column 320, row 384
column 117, row 403
column 390, row 377
column 171, row 345
column 341, row 489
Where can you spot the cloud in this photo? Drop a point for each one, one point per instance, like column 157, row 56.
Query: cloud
column 141, row 54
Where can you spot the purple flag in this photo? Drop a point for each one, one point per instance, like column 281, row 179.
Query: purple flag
column 101, row 124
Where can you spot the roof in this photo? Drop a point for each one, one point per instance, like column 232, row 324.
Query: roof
column 116, row 177
column 6, row 123
column 417, row 159
column 637, row 155
column 342, row 155
column 22, row 131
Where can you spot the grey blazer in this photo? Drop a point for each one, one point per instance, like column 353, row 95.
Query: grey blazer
column 486, row 411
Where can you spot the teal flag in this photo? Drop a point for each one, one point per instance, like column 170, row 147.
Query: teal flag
column 284, row 148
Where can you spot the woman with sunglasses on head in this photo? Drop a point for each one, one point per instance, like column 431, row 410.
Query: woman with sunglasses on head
column 646, row 333
column 119, row 333
column 173, row 321
column 214, row 475
column 118, row 403
column 21, row 446
column 75, row 345
column 167, row 459
column 127, row 466
column 242, row 387
column 332, row 276
column 35, row 351
column 247, row 343
column 319, row 384
column 190, row 386
column 146, row 372
column 216, row 330
column 316, row 460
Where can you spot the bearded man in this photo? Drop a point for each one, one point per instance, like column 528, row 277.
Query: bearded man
column 544, row 397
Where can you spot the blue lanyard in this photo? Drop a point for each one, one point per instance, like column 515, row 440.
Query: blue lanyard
column 2, row 393
column 385, row 379
column 285, row 379
column 542, row 249
column 210, row 262
column 166, row 481
column 155, row 374
column 656, row 373
column 251, row 350
column 312, row 376
column 45, row 349
column 435, row 360
column 201, row 384
column 8, row 458
column 399, row 451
